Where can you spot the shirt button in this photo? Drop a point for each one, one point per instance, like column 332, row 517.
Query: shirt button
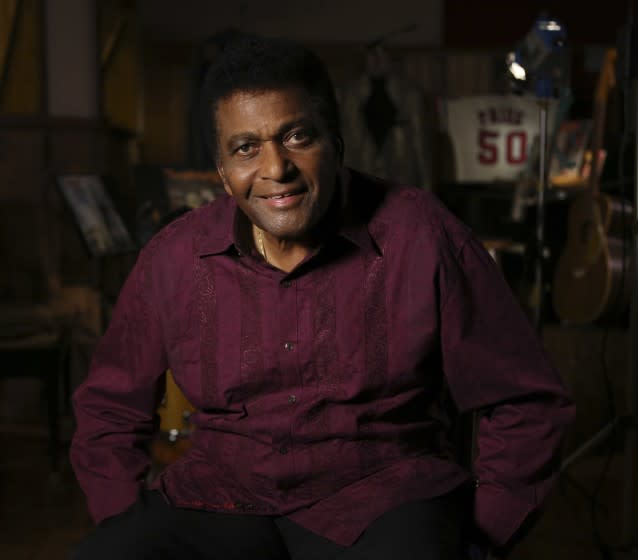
column 288, row 346
column 283, row 450
column 292, row 399
column 286, row 283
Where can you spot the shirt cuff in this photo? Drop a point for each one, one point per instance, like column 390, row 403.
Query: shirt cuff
column 498, row 513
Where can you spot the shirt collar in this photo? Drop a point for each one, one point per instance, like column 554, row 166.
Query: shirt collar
column 217, row 229
column 358, row 225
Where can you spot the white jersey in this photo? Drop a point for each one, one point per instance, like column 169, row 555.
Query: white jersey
column 492, row 135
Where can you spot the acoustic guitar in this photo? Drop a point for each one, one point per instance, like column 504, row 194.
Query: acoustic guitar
column 592, row 280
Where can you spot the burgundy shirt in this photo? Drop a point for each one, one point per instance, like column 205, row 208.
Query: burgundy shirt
column 326, row 394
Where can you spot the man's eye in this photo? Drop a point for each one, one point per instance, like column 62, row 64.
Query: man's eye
column 244, row 149
column 298, row 138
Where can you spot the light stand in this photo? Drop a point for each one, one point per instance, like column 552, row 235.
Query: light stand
column 539, row 65
column 539, row 277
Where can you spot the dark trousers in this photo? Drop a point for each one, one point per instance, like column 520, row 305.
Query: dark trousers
column 152, row 529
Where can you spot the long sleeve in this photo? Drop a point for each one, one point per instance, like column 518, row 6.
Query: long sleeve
column 494, row 360
column 115, row 407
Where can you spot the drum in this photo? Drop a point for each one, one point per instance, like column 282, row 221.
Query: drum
column 174, row 412
column 501, row 249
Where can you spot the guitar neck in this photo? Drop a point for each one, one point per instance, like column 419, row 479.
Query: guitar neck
column 606, row 81
column 597, row 143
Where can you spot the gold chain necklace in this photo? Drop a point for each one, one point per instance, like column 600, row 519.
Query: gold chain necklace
column 260, row 244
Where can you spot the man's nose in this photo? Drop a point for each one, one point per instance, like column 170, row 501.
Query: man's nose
column 275, row 163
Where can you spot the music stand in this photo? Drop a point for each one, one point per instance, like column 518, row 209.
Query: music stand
column 101, row 226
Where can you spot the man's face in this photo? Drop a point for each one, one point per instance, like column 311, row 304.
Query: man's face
column 276, row 159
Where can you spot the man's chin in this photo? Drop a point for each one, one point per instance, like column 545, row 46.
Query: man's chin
column 291, row 236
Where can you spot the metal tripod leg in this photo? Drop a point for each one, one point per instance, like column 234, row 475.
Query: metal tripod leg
column 601, row 436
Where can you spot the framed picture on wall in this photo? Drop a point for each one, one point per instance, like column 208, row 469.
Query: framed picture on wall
column 191, row 188
column 101, row 225
column 568, row 155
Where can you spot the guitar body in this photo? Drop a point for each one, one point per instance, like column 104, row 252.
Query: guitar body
column 592, row 276
column 592, row 280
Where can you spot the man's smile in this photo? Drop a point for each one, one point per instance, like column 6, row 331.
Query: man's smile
column 284, row 198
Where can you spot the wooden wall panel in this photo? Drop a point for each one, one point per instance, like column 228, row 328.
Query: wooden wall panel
column 166, row 96
column 21, row 164
column 8, row 22
column 121, row 65
column 22, row 90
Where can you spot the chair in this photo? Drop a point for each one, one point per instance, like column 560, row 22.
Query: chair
column 38, row 341
column 45, row 355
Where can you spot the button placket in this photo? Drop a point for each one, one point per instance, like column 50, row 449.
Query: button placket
column 288, row 299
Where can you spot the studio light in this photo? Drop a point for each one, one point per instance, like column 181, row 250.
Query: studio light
column 538, row 64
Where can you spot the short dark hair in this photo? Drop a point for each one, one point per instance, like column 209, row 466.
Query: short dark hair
column 250, row 62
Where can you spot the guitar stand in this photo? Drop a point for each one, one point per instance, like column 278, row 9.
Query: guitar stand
column 627, row 422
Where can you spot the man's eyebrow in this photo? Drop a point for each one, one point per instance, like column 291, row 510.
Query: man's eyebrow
column 241, row 137
column 301, row 121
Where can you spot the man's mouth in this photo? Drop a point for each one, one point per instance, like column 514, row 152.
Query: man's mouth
column 286, row 199
column 279, row 196
column 286, row 194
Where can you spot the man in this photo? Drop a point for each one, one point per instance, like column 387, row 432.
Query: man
column 328, row 326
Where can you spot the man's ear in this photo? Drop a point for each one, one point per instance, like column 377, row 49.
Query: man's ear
column 220, row 171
